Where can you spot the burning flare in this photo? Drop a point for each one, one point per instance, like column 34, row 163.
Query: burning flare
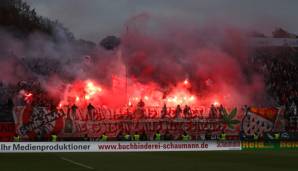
column 91, row 90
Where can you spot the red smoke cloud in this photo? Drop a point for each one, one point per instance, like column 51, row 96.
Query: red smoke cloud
column 152, row 63
column 155, row 59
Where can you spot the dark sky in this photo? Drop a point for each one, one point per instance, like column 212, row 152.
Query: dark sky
column 93, row 19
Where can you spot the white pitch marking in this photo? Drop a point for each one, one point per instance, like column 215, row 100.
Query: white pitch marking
column 77, row 163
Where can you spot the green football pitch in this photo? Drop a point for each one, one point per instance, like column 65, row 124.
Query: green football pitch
column 153, row 161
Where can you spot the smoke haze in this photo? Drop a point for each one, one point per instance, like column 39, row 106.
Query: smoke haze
column 95, row 19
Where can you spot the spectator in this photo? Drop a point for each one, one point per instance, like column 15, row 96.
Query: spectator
column 136, row 136
column 178, row 111
column 120, row 136
column 186, row 111
column 157, row 136
column 168, row 136
column 90, row 109
column 212, row 112
column 185, row 136
column 164, row 111
column 143, row 136
column 86, row 137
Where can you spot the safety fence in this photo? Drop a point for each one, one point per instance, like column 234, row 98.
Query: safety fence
column 39, row 123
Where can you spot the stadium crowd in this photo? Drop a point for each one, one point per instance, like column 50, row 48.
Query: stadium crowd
column 281, row 79
column 280, row 75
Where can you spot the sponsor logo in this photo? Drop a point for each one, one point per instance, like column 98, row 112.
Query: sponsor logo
column 255, row 145
column 289, row 144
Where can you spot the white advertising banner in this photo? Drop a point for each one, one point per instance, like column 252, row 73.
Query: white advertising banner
column 118, row 146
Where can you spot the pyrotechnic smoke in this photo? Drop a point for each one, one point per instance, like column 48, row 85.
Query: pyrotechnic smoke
column 152, row 63
column 214, row 59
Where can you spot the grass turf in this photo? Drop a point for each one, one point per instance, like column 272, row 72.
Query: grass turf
column 154, row 161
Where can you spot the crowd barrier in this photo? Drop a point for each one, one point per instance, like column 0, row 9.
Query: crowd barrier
column 31, row 122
